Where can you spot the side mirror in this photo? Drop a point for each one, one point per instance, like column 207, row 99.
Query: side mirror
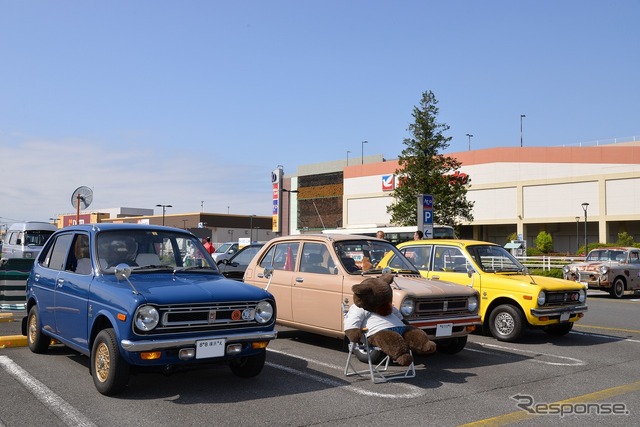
column 223, row 261
column 268, row 271
column 122, row 271
column 470, row 271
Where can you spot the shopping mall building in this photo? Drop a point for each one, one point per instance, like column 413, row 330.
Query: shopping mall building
column 521, row 190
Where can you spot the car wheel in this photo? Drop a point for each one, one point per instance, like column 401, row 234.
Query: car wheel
column 250, row 366
column 377, row 355
column 559, row 330
column 109, row 370
column 506, row 323
column 37, row 341
column 617, row 290
column 452, row 346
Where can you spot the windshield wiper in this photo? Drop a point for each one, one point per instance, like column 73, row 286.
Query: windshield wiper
column 152, row 267
column 192, row 268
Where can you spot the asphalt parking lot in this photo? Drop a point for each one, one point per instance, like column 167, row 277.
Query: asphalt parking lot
column 541, row 380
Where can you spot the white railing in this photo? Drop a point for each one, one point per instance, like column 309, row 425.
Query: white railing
column 548, row 262
column 607, row 141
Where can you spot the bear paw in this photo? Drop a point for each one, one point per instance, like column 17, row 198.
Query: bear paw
column 404, row 360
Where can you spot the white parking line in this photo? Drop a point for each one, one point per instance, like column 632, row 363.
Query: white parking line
column 412, row 393
column 63, row 410
column 568, row 361
column 603, row 336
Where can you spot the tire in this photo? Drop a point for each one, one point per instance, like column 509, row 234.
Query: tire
column 109, row 370
column 506, row 323
column 559, row 330
column 377, row 355
column 617, row 290
column 37, row 341
column 250, row 366
column 452, row 346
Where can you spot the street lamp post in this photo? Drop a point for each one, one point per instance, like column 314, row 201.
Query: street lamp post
column 164, row 207
column 469, row 135
column 251, row 229
column 577, row 234
column 522, row 116
column 585, row 206
column 348, row 157
column 362, row 145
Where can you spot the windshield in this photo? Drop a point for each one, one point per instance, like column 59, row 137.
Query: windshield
column 151, row 249
column 36, row 237
column 223, row 248
column 494, row 259
column 606, row 255
column 358, row 256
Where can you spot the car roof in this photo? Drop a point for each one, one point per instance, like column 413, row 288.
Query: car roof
column 329, row 237
column 455, row 242
column 121, row 226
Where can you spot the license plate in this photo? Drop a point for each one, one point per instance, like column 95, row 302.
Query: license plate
column 565, row 316
column 210, row 348
column 444, row 330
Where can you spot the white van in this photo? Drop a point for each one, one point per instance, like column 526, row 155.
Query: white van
column 25, row 239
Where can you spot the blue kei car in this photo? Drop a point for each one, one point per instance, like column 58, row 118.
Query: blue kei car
column 130, row 296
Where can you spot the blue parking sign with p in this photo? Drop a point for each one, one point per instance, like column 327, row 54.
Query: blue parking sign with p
column 428, row 217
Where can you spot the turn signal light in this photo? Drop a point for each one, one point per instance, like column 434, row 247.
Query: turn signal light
column 150, row 355
column 259, row 344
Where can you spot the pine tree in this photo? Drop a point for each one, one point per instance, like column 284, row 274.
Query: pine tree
column 422, row 170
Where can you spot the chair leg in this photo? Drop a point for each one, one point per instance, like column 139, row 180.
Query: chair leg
column 379, row 373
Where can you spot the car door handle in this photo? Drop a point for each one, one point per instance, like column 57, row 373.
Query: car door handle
column 59, row 283
column 435, row 276
column 299, row 279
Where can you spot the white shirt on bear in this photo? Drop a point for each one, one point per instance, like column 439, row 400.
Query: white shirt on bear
column 358, row 318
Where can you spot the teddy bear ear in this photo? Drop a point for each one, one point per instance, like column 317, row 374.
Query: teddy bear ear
column 387, row 278
column 362, row 289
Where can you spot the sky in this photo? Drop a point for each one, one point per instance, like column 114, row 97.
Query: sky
column 194, row 103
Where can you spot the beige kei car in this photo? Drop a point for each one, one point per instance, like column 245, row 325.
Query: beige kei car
column 313, row 275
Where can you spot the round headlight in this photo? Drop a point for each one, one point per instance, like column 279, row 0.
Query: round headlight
column 406, row 308
column 264, row 312
column 147, row 318
column 472, row 304
column 542, row 298
column 604, row 269
column 582, row 296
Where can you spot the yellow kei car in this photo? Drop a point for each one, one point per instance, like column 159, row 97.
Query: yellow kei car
column 510, row 298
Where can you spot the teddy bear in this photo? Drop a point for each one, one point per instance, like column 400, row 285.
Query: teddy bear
column 373, row 310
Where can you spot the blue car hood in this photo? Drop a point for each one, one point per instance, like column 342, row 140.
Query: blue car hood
column 194, row 288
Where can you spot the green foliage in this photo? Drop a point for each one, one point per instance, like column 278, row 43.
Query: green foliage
column 624, row 239
column 423, row 171
column 544, row 242
column 512, row 236
column 554, row 272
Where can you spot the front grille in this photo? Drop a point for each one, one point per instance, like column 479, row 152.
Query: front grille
column 442, row 307
column 205, row 317
column 562, row 298
column 584, row 276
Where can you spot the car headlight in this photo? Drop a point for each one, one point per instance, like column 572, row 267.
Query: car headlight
column 264, row 312
column 406, row 308
column 146, row 318
column 542, row 298
column 603, row 269
column 582, row 296
column 472, row 304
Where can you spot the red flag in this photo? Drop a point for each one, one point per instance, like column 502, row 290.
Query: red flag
column 287, row 262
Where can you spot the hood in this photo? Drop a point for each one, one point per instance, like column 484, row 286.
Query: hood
column 419, row 287
column 186, row 288
column 548, row 283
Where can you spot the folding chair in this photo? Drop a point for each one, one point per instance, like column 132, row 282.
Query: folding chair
column 379, row 372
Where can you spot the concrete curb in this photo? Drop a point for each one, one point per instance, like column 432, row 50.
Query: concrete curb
column 13, row 341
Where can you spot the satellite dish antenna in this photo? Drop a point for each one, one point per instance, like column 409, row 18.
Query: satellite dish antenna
column 81, row 198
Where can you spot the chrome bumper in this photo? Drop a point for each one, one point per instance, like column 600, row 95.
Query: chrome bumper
column 557, row 311
column 152, row 344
